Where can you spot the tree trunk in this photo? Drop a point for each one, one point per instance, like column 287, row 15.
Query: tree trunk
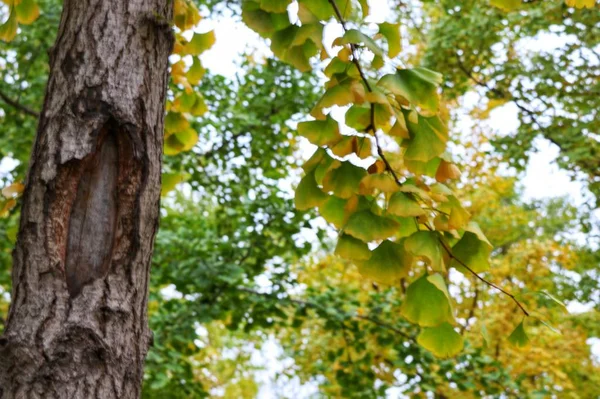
column 77, row 325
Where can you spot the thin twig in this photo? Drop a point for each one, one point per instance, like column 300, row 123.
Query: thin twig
column 387, row 164
column 19, row 106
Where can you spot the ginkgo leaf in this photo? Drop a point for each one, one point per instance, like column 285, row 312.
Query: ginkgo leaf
column 422, row 168
column 27, row 12
column 185, row 14
column 183, row 140
column 200, row 43
column 355, row 36
column 352, row 248
column 170, row 180
column 458, row 217
column 175, row 122
column 417, row 85
column 447, row 171
column 507, row 5
column 403, row 205
column 8, row 30
column 392, row 34
column 262, row 22
column 344, row 180
column 389, row 262
column 358, row 117
column 443, row 341
column 276, row 6
column 320, row 132
column 196, row 72
column 519, row 337
column 399, row 129
column 361, row 146
column 426, row 245
column 427, row 302
column 473, row 252
column 367, row 226
column 333, row 211
column 13, row 190
column 428, row 139
column 314, row 160
column 381, row 181
column 348, row 92
column 581, row 3
column 308, row 194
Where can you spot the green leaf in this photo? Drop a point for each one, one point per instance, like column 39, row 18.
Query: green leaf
column 402, row 205
column 417, row 85
column 262, row 22
column 200, row 43
column 358, row 117
column 427, row 140
column 27, row 12
column 333, row 211
column 389, row 262
column 355, row 36
column 344, row 181
column 170, row 180
column 392, row 34
column 8, row 30
column 196, row 72
column 443, row 341
column 276, row 6
column 506, row 5
column 368, row 226
column 427, row 302
column 351, row 248
column 426, row 245
column 180, row 141
column 320, row 132
column 308, row 194
column 175, row 122
column 519, row 337
column 473, row 252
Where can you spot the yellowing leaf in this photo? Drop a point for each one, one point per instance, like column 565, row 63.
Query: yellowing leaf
column 367, row 226
column 402, row 205
column 581, row 3
column 277, row 6
column 507, row 5
column 185, row 14
column 348, row 92
column 320, row 132
column 27, row 12
column 200, row 43
column 183, row 140
column 170, row 180
column 417, row 85
column 443, row 341
column 13, row 190
column 344, row 181
column 333, row 211
column 427, row 140
column 447, row 171
column 426, row 245
column 519, row 337
column 175, row 122
column 196, row 72
column 308, row 194
column 355, row 36
column 427, row 303
column 388, row 263
column 8, row 30
column 381, row 181
column 392, row 33
column 473, row 252
column 351, row 248
column 399, row 129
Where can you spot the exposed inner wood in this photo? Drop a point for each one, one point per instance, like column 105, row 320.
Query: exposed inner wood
column 93, row 219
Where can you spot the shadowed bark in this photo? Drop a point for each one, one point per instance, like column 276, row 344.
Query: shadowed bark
column 77, row 325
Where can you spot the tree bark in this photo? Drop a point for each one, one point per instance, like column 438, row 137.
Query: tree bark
column 77, row 325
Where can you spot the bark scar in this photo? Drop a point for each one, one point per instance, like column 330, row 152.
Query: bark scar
column 93, row 218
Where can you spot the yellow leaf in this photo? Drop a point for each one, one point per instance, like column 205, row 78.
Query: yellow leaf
column 8, row 30
column 27, row 12
column 13, row 190
column 200, row 43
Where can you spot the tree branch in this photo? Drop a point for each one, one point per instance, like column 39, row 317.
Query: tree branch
column 15, row 104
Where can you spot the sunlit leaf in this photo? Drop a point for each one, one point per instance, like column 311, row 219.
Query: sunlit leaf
column 344, row 181
column 308, row 194
column 320, row 132
column 417, row 85
column 352, row 248
column 426, row 245
column 368, row 226
column 443, row 341
column 200, row 43
column 403, row 205
column 428, row 139
column 170, row 180
column 8, row 30
column 427, row 303
column 392, row 33
column 27, row 12
column 389, row 262
column 473, row 252
column 381, row 181
column 355, row 36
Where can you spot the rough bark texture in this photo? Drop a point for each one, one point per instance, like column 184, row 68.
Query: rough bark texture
column 77, row 326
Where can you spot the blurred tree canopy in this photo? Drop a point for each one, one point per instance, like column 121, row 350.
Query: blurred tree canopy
column 237, row 268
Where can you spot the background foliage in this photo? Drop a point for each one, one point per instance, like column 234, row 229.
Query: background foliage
column 238, row 268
